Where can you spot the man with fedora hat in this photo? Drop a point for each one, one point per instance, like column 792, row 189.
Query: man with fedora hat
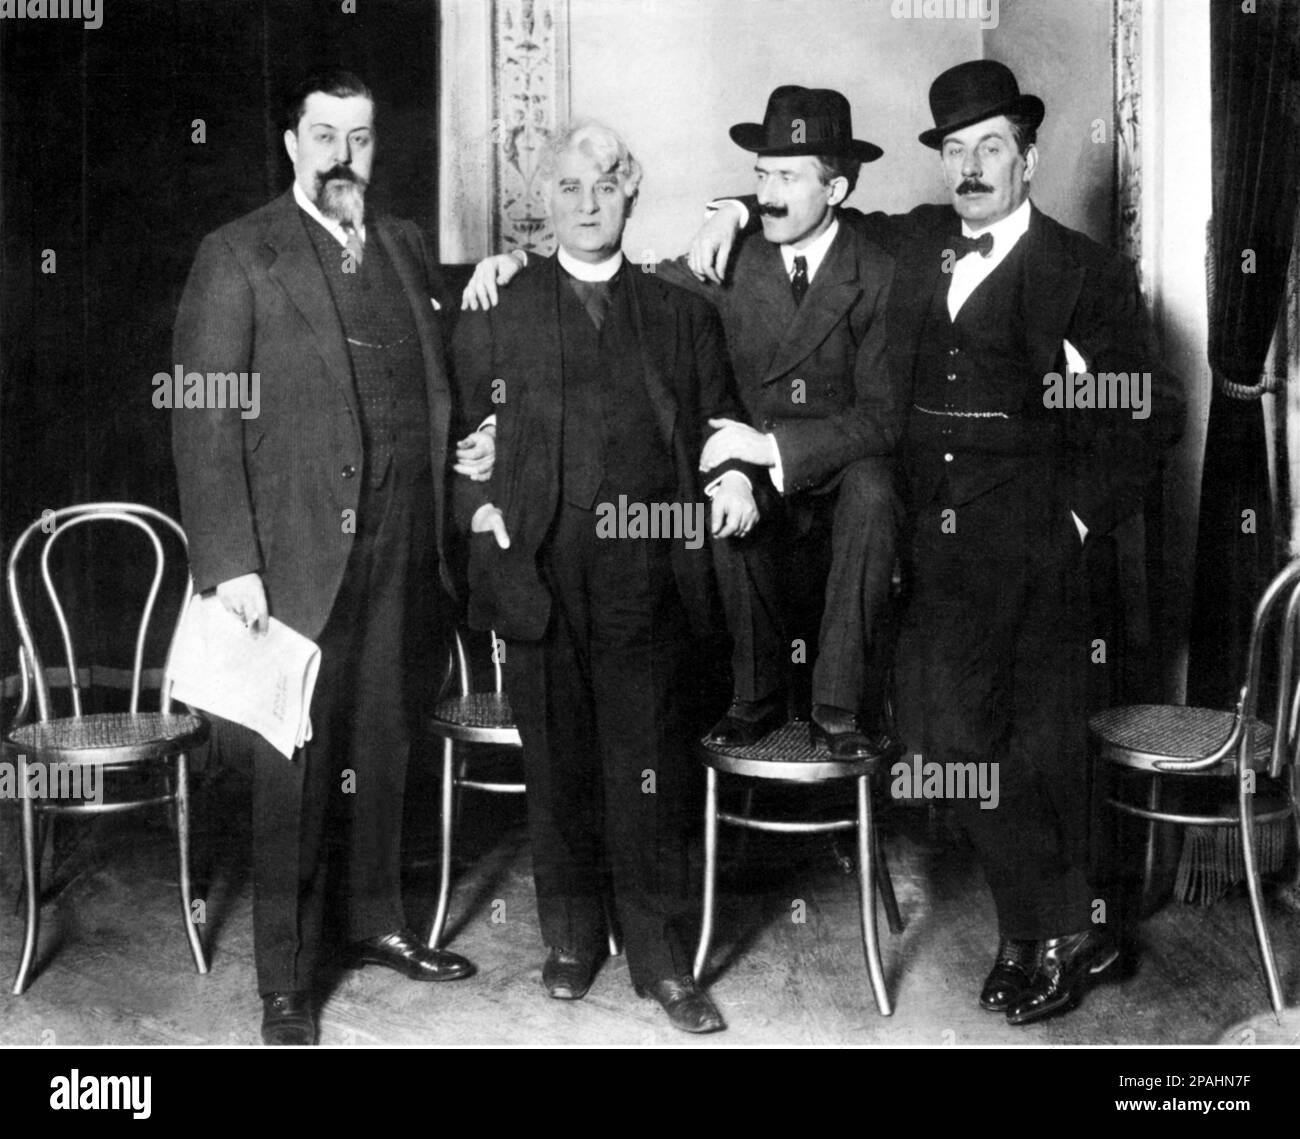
column 991, row 300
column 804, row 320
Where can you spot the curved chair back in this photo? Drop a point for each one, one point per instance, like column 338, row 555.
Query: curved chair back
column 458, row 663
column 54, row 524
column 1281, row 597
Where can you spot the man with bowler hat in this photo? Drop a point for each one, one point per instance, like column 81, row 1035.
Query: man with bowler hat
column 1004, row 489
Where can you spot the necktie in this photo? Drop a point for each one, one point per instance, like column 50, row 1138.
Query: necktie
column 799, row 282
column 354, row 244
column 594, row 296
column 983, row 245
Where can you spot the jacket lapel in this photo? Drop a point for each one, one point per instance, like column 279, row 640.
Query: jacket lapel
column 829, row 297
column 656, row 331
column 296, row 269
column 1053, row 281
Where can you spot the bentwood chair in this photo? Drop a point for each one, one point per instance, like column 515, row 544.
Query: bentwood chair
column 77, row 751
column 785, row 755
column 1199, row 744
column 481, row 718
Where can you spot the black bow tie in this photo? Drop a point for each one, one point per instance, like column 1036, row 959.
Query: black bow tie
column 983, row 245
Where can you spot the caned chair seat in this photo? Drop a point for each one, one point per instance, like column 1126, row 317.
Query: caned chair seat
column 1142, row 735
column 478, row 717
column 111, row 737
column 785, row 753
column 788, row 755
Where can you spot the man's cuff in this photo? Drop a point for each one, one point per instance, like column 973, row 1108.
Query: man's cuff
column 481, row 513
column 519, row 255
column 718, row 203
column 777, row 471
column 490, row 421
column 716, row 484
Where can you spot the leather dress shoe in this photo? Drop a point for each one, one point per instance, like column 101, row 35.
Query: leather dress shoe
column 748, row 721
column 687, row 1005
column 844, row 738
column 402, row 951
column 567, row 975
column 1013, row 969
column 287, row 1018
column 1067, row 966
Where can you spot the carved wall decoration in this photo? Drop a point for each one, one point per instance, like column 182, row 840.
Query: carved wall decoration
column 530, row 98
column 1127, row 43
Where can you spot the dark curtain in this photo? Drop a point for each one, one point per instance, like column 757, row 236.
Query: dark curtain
column 1253, row 77
column 101, row 163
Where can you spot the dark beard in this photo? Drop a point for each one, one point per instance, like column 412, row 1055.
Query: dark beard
column 341, row 195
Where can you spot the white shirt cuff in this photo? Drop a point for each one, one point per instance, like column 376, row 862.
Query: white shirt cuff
column 778, row 471
column 490, row 421
column 481, row 513
column 716, row 484
column 718, row 203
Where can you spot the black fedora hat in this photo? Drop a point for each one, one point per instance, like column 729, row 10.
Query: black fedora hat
column 800, row 120
column 974, row 91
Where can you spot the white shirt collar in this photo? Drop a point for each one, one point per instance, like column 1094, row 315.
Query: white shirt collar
column 1005, row 232
column 330, row 224
column 585, row 270
column 814, row 252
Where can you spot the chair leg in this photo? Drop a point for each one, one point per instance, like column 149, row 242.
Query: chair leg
column 885, row 884
column 182, row 805
column 742, row 840
column 867, row 886
column 1246, row 806
column 611, row 934
column 448, row 813
column 710, row 870
column 32, row 888
column 44, row 825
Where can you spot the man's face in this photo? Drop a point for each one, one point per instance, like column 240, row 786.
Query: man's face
column 588, row 207
column 793, row 201
column 986, row 174
column 332, row 150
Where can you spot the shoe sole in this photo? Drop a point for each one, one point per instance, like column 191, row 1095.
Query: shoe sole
column 411, row 974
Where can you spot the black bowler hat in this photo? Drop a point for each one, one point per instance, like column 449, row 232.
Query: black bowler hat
column 803, row 121
column 972, row 92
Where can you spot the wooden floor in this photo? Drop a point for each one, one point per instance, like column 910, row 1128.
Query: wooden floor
column 115, row 967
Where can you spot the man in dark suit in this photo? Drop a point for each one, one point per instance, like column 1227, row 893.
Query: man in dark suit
column 997, row 311
column 804, row 314
column 325, row 511
column 603, row 381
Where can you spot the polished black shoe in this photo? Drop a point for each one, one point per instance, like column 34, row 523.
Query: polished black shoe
column 687, row 1005
column 287, row 1018
column 844, row 738
column 748, row 721
column 567, row 975
column 1066, row 968
column 404, row 952
column 1013, row 969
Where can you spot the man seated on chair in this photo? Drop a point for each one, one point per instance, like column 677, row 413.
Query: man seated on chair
column 589, row 556
column 804, row 314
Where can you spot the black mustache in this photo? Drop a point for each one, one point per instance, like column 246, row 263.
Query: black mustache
column 337, row 173
column 974, row 186
column 773, row 211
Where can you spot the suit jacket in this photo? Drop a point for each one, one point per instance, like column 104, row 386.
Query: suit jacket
column 508, row 363
column 268, row 495
column 847, row 408
column 1076, row 290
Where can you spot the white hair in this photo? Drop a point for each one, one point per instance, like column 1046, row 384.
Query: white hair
column 593, row 140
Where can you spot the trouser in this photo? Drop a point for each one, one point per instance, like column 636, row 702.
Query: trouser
column 991, row 669
column 330, row 820
column 844, row 539
column 603, row 708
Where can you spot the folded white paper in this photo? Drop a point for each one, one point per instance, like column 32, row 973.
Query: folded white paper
column 264, row 681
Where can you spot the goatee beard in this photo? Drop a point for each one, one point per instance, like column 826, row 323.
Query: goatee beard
column 343, row 200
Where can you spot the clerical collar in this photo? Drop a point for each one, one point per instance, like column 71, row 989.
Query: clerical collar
column 585, row 270
column 814, row 252
column 1005, row 232
column 309, row 208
